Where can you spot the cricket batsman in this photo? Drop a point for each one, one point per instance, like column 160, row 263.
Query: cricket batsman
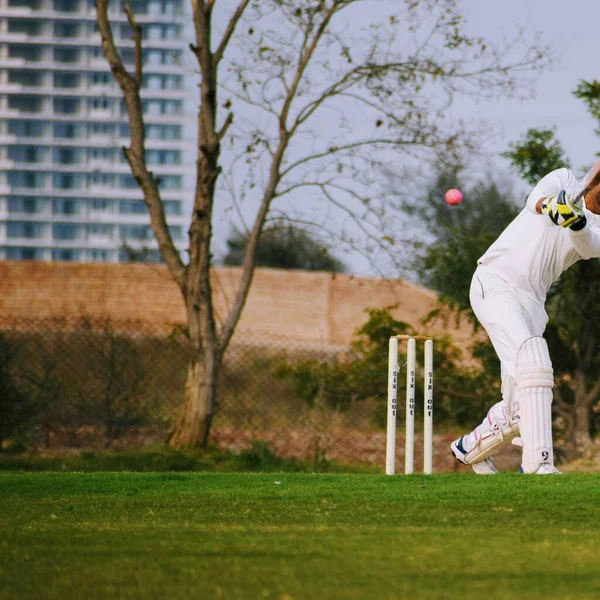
column 558, row 227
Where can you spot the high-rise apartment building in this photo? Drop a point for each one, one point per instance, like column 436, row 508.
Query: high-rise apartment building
column 66, row 191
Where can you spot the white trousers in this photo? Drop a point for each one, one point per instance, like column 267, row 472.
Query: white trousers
column 509, row 318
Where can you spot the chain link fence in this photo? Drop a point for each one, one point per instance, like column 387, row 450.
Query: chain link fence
column 99, row 384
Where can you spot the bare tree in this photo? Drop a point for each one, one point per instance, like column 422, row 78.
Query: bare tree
column 326, row 94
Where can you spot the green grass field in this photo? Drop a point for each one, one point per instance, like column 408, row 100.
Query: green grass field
column 296, row 536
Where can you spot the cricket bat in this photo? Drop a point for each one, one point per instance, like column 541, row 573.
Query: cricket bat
column 591, row 179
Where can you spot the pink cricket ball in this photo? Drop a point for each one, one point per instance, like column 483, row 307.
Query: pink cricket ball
column 454, row 197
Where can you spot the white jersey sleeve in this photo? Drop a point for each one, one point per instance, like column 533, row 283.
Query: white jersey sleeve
column 587, row 241
column 532, row 252
column 550, row 185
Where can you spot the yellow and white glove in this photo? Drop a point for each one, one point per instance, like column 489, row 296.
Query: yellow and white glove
column 563, row 211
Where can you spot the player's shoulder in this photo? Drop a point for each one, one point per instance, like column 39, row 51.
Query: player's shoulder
column 561, row 172
column 563, row 177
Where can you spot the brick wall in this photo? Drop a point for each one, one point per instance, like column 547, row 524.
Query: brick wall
column 311, row 307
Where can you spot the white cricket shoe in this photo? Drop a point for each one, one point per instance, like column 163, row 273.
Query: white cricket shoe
column 544, row 469
column 484, row 467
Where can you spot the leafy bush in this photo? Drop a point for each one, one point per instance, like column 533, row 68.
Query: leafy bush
column 464, row 387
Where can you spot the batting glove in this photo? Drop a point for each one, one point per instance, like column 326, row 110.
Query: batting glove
column 563, row 211
column 578, row 221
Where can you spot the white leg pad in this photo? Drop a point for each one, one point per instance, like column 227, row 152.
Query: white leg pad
column 535, row 380
column 498, row 428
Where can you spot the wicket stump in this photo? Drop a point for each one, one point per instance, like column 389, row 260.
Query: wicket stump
column 393, row 372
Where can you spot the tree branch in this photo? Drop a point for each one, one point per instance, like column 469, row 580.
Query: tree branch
column 593, row 393
column 137, row 40
column 228, row 121
column 136, row 152
column 235, row 19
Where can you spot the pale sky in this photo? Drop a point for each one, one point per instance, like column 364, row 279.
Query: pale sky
column 571, row 28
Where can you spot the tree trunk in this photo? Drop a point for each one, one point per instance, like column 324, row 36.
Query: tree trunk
column 582, row 408
column 195, row 417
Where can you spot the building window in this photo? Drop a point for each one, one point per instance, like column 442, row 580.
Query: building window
column 176, row 232
column 66, row 254
column 127, row 56
column 66, row 30
column 67, row 156
column 101, row 204
column 135, row 232
column 103, row 154
column 27, row 128
column 143, row 255
column 26, row 179
column 100, row 103
column 66, row 5
column 132, row 207
column 32, row 154
column 66, row 80
column 13, row 253
column 100, row 229
column 164, row 157
column 139, row 7
column 26, row 78
column 162, row 107
column 33, row 4
column 154, row 57
column 162, row 82
column 152, row 82
column 171, row 32
column 66, row 55
column 171, row 8
column 103, row 129
column 66, row 181
column 25, row 205
column 27, row 53
column 103, row 179
column 100, row 79
column 100, row 255
column 66, row 206
column 127, row 182
column 170, row 182
column 155, row 31
column 24, row 229
column 172, row 207
column 163, row 132
column 97, row 54
column 66, row 130
column 25, row 103
column 152, row 31
column 65, row 231
column 26, row 154
column 33, row 180
column 66, row 106
column 127, row 33
column 29, row 27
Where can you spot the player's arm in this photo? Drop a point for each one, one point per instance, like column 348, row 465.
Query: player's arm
column 548, row 188
column 540, row 204
column 586, row 241
column 563, row 210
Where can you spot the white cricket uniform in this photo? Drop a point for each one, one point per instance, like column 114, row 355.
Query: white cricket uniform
column 509, row 287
